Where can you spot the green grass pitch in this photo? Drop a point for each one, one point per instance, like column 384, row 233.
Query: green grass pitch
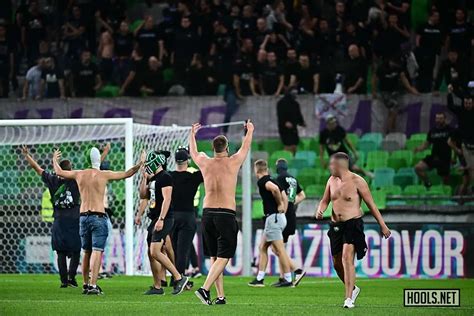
column 41, row 295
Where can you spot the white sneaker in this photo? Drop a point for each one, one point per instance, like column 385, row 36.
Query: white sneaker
column 348, row 303
column 355, row 293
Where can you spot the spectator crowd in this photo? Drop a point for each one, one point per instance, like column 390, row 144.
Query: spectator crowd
column 260, row 47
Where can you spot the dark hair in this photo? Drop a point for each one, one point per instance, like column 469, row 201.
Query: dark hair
column 441, row 113
column 340, row 155
column 219, row 143
column 65, row 164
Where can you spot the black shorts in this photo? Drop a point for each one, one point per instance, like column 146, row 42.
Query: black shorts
column 65, row 234
column 219, row 232
column 442, row 166
column 290, row 227
column 348, row 232
column 289, row 136
column 154, row 236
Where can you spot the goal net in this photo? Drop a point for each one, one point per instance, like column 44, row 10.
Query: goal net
column 25, row 205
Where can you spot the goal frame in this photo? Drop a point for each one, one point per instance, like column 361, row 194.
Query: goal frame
column 129, row 186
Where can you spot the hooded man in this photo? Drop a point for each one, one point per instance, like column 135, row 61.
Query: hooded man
column 157, row 187
column 289, row 117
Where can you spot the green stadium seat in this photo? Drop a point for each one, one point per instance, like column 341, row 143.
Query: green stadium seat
column 108, row 91
column 271, row 145
column 279, row 154
column 383, row 177
column 400, row 159
column 353, row 138
column 376, row 137
column 415, row 190
column 434, row 177
column 256, row 155
column 391, row 189
column 299, row 164
column 168, row 75
column 308, row 176
column 376, row 159
column 440, row 189
column 314, row 190
column 421, row 155
column 365, row 145
column 293, row 171
column 257, row 209
column 400, row 138
column 204, row 146
column 411, row 144
column 134, row 25
column 314, row 144
column 404, row 180
column 380, row 198
column 305, row 144
column 419, row 136
column 309, row 156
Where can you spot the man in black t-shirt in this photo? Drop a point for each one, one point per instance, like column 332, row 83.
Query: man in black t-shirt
column 306, row 77
column 86, row 76
column 355, row 72
column 334, row 139
column 52, row 79
column 461, row 34
column 132, row 84
column 440, row 158
column 271, row 77
column 185, row 186
column 454, row 71
column 6, row 61
column 186, row 46
column 157, row 187
column 65, row 238
column 153, row 81
column 275, row 203
column 243, row 72
column 429, row 39
column 147, row 38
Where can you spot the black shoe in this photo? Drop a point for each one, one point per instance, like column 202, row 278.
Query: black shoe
column 85, row 288
column 256, row 283
column 72, row 283
column 277, row 283
column 154, row 291
column 220, row 301
column 63, row 286
column 196, row 274
column 299, row 275
column 95, row 290
column 180, row 285
column 190, row 285
column 283, row 283
column 172, row 282
column 164, row 283
column 204, row 296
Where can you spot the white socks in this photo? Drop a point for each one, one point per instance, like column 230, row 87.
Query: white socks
column 287, row 277
column 260, row 275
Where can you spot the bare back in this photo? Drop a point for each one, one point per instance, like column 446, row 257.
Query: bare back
column 92, row 184
column 220, row 181
column 345, row 198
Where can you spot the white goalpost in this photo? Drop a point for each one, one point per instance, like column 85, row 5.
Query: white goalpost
column 73, row 136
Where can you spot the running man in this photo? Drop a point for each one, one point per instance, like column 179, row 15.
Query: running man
column 275, row 204
column 295, row 195
column 93, row 219
column 158, row 190
column 219, row 226
column 346, row 190
column 66, row 201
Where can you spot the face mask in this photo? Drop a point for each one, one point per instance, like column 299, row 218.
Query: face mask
column 95, row 158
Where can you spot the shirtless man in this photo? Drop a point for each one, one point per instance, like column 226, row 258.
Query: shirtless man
column 346, row 190
column 93, row 219
column 219, row 227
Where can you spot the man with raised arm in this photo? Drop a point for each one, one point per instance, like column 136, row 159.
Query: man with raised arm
column 219, row 226
column 346, row 190
column 93, row 219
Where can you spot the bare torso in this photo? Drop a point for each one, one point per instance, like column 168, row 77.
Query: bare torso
column 345, row 198
column 91, row 183
column 220, row 181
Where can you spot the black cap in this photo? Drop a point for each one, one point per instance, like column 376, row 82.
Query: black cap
column 181, row 155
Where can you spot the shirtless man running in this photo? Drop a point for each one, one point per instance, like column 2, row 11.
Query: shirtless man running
column 219, row 226
column 93, row 219
column 346, row 190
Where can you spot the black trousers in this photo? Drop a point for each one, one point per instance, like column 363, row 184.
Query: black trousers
column 182, row 237
column 66, row 274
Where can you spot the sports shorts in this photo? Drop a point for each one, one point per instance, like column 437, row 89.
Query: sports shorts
column 441, row 166
column 274, row 225
column 290, row 227
column 157, row 236
column 93, row 229
column 348, row 232
column 219, row 232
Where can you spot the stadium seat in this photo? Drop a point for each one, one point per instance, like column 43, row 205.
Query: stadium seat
column 375, row 137
column 299, row 163
column 365, row 145
column 134, row 25
column 305, row 144
column 277, row 155
column 256, row 155
column 415, row 190
column 272, row 145
column 314, row 144
column 307, row 176
column 204, row 146
column 400, row 159
column 403, row 179
column 376, row 159
column 293, row 171
column 400, row 138
column 314, row 190
column 390, row 145
column 411, row 144
column 380, row 198
column 419, row 136
column 421, row 155
column 353, row 138
column 391, row 189
column 438, row 190
column 309, row 156
column 257, row 209
column 383, row 177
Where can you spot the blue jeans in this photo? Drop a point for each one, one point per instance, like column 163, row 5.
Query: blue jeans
column 93, row 231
